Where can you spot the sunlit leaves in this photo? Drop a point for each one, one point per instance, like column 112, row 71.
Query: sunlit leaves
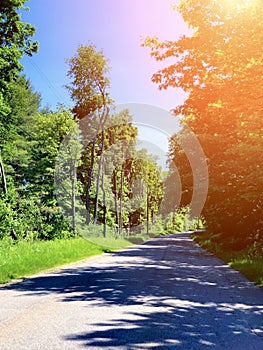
column 220, row 65
column 89, row 85
column 15, row 39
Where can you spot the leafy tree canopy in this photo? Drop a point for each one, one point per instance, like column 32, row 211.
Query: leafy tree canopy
column 220, row 67
column 88, row 71
column 15, row 39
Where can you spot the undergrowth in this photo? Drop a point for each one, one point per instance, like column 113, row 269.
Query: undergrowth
column 244, row 259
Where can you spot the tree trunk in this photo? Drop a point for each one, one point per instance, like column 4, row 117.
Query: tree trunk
column 116, row 201
column 147, row 213
column 104, row 201
column 121, row 196
column 3, row 178
column 98, row 179
column 89, row 182
column 102, row 121
column 73, row 197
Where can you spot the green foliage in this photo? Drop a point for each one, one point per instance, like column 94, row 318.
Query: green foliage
column 48, row 132
column 180, row 221
column 4, row 109
column 6, row 218
column 109, row 166
column 30, row 142
column 17, row 105
column 219, row 67
column 17, row 127
column 100, row 172
column 15, row 40
column 88, row 71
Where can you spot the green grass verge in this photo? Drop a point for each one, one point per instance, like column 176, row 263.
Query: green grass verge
column 111, row 243
column 250, row 265
column 24, row 258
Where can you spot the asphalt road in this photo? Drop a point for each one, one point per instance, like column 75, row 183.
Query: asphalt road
column 165, row 294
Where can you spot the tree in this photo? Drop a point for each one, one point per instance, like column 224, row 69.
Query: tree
column 152, row 186
column 116, row 142
column 89, row 86
column 49, row 130
column 220, row 67
column 137, row 185
column 15, row 141
column 15, row 40
column 17, row 126
column 67, row 162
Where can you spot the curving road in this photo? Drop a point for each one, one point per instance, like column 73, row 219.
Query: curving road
column 165, row 294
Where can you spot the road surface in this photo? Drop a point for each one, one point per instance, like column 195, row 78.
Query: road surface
column 165, row 294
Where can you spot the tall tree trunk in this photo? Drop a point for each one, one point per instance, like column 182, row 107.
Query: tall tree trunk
column 3, row 178
column 89, row 182
column 147, row 213
column 102, row 121
column 104, row 200
column 73, row 197
column 98, row 179
column 121, row 196
column 116, row 201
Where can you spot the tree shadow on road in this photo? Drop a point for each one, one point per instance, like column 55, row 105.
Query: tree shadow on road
column 180, row 297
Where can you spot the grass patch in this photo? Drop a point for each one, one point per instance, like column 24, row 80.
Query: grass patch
column 241, row 259
column 94, row 234
column 27, row 258
column 111, row 243
column 251, row 268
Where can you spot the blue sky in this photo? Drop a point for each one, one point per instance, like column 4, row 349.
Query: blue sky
column 115, row 26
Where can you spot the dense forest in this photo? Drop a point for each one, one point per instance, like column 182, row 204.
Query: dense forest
column 64, row 171
column 70, row 172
